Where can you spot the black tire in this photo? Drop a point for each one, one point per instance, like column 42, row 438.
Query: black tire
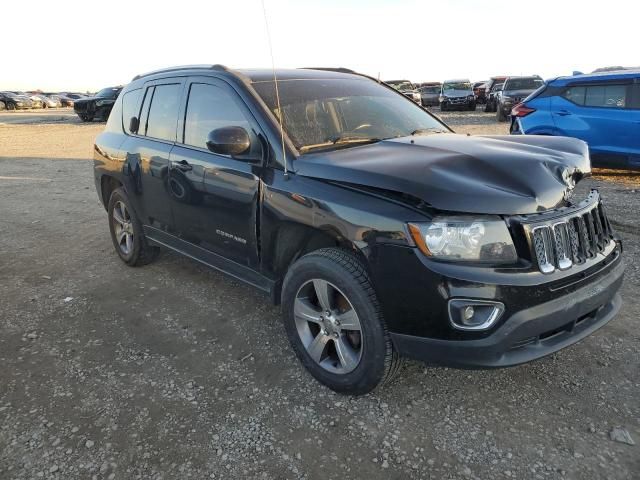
column 141, row 252
column 500, row 114
column 472, row 107
column 11, row 106
column 378, row 362
column 443, row 107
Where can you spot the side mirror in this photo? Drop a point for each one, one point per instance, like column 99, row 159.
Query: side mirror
column 134, row 124
column 229, row 141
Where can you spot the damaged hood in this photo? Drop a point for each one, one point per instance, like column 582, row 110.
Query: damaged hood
column 505, row 175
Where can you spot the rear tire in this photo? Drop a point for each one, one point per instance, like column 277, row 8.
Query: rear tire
column 126, row 231
column 320, row 327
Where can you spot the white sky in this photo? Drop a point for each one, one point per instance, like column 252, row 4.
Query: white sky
column 87, row 45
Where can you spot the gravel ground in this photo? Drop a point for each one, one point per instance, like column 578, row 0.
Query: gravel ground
column 175, row 371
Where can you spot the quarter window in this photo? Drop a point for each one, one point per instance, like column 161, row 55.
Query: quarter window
column 163, row 113
column 575, row 95
column 130, row 102
column 210, row 107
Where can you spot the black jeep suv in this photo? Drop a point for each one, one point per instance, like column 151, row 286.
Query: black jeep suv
column 99, row 106
column 380, row 232
column 514, row 91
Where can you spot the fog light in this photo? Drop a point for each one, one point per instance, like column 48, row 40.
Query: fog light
column 470, row 314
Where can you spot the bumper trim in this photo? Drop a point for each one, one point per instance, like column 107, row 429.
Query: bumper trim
column 527, row 335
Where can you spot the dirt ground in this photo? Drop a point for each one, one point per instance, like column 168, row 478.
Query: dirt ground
column 175, row 371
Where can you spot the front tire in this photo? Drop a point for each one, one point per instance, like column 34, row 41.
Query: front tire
column 334, row 322
column 126, row 232
column 500, row 114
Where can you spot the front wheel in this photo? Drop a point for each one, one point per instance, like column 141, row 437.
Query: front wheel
column 334, row 322
column 500, row 114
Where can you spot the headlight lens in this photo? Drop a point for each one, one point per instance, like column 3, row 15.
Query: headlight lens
column 469, row 239
column 99, row 103
column 470, row 97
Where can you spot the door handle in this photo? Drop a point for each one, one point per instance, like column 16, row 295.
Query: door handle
column 182, row 165
column 563, row 113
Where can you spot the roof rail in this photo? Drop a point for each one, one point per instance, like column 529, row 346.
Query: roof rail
column 217, row 66
column 331, row 69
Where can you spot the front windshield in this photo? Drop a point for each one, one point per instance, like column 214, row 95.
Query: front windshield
column 107, row 92
column 457, row 86
column 402, row 86
column 523, row 83
column 434, row 89
column 334, row 113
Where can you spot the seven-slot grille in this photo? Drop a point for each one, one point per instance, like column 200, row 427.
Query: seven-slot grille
column 572, row 239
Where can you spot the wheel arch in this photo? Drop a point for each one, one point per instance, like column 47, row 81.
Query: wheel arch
column 108, row 184
column 294, row 240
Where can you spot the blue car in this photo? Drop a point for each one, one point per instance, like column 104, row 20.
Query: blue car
column 603, row 109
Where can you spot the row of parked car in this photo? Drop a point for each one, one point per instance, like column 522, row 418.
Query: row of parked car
column 499, row 94
column 16, row 100
column 602, row 108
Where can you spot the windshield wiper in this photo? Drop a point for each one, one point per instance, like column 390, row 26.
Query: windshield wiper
column 423, row 131
column 339, row 141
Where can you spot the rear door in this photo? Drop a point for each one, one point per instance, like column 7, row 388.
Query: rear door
column 216, row 196
column 147, row 150
column 603, row 115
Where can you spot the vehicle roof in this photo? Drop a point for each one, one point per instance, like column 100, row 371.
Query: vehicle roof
column 457, row 80
column 522, row 76
column 599, row 76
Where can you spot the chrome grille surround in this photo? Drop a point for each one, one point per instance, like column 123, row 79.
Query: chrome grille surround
column 567, row 236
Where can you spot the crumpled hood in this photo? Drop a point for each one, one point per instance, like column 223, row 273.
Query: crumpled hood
column 505, row 175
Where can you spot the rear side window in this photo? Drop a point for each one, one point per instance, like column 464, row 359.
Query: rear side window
column 611, row 96
column 603, row 96
column 130, row 105
column 210, row 107
column 163, row 112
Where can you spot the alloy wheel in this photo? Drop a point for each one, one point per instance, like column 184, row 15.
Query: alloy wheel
column 328, row 326
column 123, row 227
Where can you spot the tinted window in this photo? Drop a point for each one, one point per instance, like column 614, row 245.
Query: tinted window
column 523, row 84
column 130, row 102
column 611, row 96
column 575, row 95
column 163, row 113
column 108, row 93
column 210, row 107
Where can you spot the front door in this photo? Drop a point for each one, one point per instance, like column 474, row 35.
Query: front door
column 215, row 197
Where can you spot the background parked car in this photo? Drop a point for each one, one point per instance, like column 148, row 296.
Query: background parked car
column 65, row 101
column 490, row 89
column 514, row 90
column 603, row 109
column 406, row 88
column 430, row 94
column 15, row 102
column 99, row 106
column 479, row 91
column 48, row 102
column 457, row 94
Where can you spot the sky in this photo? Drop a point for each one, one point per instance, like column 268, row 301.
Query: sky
column 90, row 45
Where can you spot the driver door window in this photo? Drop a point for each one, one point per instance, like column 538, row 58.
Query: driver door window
column 210, row 107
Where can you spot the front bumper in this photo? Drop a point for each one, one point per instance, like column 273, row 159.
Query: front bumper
column 528, row 334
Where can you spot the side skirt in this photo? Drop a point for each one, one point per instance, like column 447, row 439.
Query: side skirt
column 213, row 260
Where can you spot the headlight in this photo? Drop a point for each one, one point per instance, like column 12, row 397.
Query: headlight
column 469, row 239
column 507, row 99
column 470, row 97
column 443, row 98
column 99, row 103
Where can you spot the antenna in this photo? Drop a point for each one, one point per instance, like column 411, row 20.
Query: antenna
column 275, row 81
